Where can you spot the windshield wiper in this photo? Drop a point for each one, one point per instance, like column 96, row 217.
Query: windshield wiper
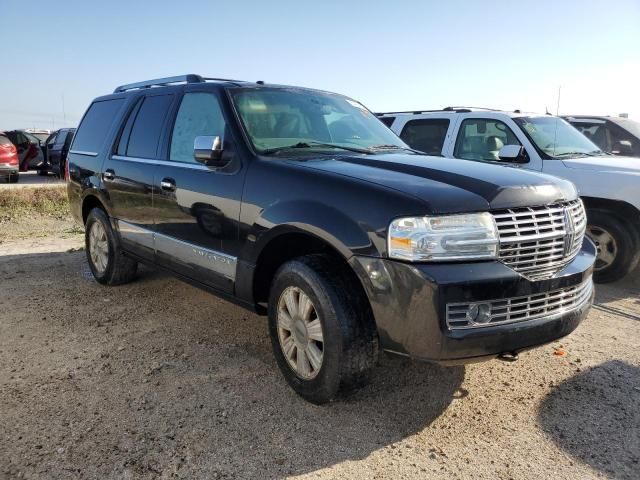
column 396, row 147
column 581, row 154
column 311, row 144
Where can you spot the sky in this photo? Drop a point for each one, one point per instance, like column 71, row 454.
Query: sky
column 402, row 55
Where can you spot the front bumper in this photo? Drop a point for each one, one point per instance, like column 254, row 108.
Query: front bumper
column 409, row 303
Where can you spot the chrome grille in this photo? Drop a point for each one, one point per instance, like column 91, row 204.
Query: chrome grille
column 540, row 241
column 517, row 309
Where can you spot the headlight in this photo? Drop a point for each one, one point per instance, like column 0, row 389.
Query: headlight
column 449, row 237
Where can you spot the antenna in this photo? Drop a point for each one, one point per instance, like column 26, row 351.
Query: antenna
column 558, row 104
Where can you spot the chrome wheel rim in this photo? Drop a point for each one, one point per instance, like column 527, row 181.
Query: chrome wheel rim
column 605, row 244
column 300, row 333
column 98, row 247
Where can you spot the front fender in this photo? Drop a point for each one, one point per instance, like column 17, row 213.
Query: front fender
column 324, row 222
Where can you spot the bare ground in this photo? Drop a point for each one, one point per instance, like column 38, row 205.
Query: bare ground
column 158, row 379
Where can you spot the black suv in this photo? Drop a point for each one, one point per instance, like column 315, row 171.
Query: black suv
column 302, row 205
column 56, row 151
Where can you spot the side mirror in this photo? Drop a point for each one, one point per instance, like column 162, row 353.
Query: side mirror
column 513, row 153
column 622, row 147
column 208, row 150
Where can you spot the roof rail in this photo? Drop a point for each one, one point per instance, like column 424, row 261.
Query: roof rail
column 468, row 109
column 158, row 82
column 415, row 112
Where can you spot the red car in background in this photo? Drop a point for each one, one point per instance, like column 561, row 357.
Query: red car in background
column 28, row 148
column 9, row 163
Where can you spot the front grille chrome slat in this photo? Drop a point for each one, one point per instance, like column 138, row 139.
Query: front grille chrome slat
column 518, row 309
column 540, row 241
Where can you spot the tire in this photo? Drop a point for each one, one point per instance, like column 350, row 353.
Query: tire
column 113, row 267
column 349, row 347
column 14, row 178
column 617, row 246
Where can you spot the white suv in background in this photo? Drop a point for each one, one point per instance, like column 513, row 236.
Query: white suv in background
column 609, row 185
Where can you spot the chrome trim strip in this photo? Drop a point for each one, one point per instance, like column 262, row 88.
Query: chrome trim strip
column 150, row 161
column 136, row 234
column 544, row 305
column 186, row 252
column 83, row 152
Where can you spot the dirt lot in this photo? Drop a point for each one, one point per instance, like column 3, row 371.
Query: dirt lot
column 158, row 379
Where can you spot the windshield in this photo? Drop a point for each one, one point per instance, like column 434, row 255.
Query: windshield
column 557, row 138
column 279, row 118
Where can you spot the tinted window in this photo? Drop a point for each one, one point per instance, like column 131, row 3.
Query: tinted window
column 199, row 114
column 426, row 135
column 596, row 132
column 62, row 135
column 482, row 139
column 387, row 120
column 147, row 126
column 95, row 125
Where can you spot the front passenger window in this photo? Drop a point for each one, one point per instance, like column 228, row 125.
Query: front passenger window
column 199, row 115
column 482, row 139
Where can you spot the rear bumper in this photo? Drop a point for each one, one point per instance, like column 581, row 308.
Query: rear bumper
column 409, row 303
column 6, row 169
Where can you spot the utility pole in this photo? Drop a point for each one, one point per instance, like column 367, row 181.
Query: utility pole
column 64, row 114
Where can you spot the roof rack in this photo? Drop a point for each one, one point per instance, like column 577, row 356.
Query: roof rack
column 468, row 109
column 161, row 82
column 446, row 109
column 415, row 112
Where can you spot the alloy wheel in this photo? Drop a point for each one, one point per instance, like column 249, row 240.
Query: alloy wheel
column 300, row 333
column 605, row 244
column 98, row 247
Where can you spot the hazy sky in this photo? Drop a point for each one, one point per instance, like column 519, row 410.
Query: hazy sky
column 390, row 55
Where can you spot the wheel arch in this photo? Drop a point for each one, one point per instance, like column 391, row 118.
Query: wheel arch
column 624, row 211
column 286, row 243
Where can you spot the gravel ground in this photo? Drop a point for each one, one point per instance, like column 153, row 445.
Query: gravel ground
column 158, row 379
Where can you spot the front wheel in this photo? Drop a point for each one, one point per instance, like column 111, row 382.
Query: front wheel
column 321, row 328
column 617, row 249
column 107, row 263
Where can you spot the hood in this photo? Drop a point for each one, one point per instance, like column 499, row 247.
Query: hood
column 450, row 185
column 605, row 163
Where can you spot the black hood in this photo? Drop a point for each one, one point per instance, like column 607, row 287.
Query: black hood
column 449, row 185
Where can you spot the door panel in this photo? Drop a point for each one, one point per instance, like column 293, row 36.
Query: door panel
column 198, row 207
column 128, row 178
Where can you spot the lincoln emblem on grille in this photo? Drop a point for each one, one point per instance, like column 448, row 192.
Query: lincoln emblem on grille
column 570, row 231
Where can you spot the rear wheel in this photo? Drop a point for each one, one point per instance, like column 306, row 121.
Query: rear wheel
column 106, row 260
column 321, row 328
column 616, row 245
column 14, row 178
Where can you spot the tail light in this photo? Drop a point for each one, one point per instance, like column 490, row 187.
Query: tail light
column 66, row 170
column 14, row 155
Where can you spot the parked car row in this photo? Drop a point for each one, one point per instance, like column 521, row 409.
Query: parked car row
column 40, row 150
column 301, row 205
column 608, row 185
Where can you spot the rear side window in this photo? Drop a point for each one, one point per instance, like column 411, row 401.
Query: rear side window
column 388, row 121
column 4, row 140
column 147, row 126
column 96, row 124
column 426, row 134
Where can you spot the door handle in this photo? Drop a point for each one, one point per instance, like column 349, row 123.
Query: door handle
column 109, row 175
column 168, row 184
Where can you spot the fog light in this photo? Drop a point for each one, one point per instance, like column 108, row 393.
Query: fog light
column 479, row 313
